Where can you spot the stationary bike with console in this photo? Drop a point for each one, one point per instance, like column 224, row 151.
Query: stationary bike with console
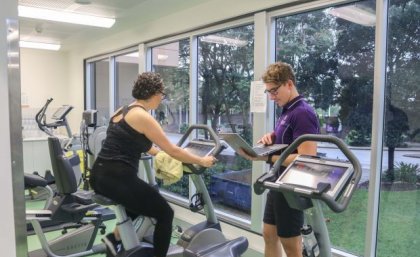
column 70, row 208
column 309, row 180
column 204, row 239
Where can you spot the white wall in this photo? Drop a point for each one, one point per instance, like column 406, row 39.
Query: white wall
column 44, row 74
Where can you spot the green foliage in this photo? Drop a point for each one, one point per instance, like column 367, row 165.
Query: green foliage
column 180, row 187
column 183, row 128
column 225, row 74
column 396, row 126
column 356, row 138
column 407, row 172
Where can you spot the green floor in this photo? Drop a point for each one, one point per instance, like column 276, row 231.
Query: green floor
column 33, row 242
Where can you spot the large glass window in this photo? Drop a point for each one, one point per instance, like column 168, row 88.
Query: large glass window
column 332, row 53
column 101, row 85
column 127, row 70
column 225, row 71
column 399, row 215
column 172, row 62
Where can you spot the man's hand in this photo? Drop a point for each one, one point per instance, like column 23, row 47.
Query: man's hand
column 267, row 139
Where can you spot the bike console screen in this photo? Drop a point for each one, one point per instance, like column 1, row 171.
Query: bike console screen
column 310, row 172
column 200, row 148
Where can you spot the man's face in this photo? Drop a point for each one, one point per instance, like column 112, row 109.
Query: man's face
column 278, row 93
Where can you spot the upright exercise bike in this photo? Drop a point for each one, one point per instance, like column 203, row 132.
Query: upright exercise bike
column 310, row 180
column 204, row 239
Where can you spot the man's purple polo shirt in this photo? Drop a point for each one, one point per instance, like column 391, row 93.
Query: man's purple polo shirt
column 297, row 118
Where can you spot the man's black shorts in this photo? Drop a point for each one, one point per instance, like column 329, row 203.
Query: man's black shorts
column 277, row 212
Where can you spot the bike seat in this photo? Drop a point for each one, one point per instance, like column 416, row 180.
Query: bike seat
column 232, row 248
column 32, row 180
column 103, row 200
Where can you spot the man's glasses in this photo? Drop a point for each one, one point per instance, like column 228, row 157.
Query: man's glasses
column 272, row 91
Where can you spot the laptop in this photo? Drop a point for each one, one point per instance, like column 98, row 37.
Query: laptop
column 235, row 141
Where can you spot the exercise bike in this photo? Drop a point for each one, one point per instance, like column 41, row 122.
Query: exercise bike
column 204, row 239
column 70, row 208
column 310, row 180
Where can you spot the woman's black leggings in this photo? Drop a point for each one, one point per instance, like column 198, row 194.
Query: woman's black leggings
column 119, row 182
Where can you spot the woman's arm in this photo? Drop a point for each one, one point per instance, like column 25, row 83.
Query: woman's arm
column 144, row 123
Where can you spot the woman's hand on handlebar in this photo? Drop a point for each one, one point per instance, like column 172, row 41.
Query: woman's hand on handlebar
column 208, row 161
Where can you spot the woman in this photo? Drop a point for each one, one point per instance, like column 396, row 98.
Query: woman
column 131, row 132
column 282, row 224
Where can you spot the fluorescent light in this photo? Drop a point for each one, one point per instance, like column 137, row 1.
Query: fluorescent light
column 38, row 45
column 354, row 14
column 135, row 54
column 223, row 40
column 162, row 57
column 13, row 54
column 62, row 16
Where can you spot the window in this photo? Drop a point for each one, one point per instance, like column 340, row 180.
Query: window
column 399, row 217
column 172, row 62
column 127, row 70
column 225, row 71
column 101, row 85
column 333, row 60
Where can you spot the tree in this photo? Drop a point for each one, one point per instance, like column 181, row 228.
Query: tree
column 403, row 89
column 176, row 80
column 225, row 72
column 305, row 41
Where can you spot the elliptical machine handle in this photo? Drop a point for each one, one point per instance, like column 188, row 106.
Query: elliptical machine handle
column 218, row 147
column 41, row 115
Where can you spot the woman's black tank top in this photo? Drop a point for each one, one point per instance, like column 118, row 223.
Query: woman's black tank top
column 124, row 143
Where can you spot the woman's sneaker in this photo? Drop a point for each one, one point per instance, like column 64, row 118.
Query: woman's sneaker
column 113, row 246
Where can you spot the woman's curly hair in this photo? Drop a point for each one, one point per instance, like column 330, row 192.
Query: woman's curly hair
column 147, row 85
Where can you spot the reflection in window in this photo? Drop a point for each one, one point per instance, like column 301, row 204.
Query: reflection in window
column 127, row 69
column 172, row 62
column 399, row 216
column 332, row 54
column 101, row 84
column 226, row 69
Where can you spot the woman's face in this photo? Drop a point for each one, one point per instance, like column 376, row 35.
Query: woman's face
column 157, row 98
column 279, row 93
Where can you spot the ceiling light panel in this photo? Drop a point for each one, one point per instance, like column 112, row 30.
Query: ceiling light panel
column 64, row 16
column 103, row 8
column 39, row 45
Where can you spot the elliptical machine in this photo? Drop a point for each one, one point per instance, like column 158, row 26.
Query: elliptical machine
column 204, row 239
column 310, row 180
column 60, row 120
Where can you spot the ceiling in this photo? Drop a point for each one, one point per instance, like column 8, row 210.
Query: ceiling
column 58, row 32
column 127, row 13
column 124, row 11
